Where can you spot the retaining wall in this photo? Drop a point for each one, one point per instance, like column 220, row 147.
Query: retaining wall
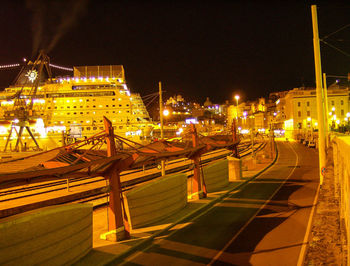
column 48, row 236
column 156, row 200
column 341, row 157
column 216, row 175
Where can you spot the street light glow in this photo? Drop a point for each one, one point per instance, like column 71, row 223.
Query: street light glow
column 166, row 112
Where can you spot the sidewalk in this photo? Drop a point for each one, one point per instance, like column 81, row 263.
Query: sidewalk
column 105, row 252
column 326, row 244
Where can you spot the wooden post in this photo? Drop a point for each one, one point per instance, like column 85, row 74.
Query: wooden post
column 197, row 188
column 118, row 226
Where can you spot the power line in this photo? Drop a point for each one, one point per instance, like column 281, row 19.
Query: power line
column 336, row 48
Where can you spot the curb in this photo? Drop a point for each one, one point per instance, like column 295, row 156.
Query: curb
column 143, row 244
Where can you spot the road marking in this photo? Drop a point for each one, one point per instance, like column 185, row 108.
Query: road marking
column 308, row 230
column 253, row 217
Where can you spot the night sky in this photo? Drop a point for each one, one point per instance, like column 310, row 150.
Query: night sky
column 196, row 48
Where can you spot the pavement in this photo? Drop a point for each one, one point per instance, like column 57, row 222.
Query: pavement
column 105, row 252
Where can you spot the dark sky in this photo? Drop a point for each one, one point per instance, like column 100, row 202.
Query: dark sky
column 196, row 48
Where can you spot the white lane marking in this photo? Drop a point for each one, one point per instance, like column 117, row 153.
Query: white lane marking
column 253, row 217
column 308, row 230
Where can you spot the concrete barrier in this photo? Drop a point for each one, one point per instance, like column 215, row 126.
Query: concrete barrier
column 234, row 168
column 156, row 200
column 48, row 236
column 216, row 175
column 341, row 157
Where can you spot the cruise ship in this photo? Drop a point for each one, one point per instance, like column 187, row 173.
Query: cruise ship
column 65, row 109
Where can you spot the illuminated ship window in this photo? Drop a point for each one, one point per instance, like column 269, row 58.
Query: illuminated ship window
column 81, row 113
column 127, row 105
column 49, row 107
column 74, row 107
column 113, row 99
column 113, row 105
column 62, row 107
column 107, row 105
column 88, row 128
column 88, row 100
column 68, row 106
column 94, row 128
column 101, row 121
column 68, row 113
column 81, row 106
column 113, row 112
column 93, row 100
column 101, row 128
column 120, row 127
column 68, row 122
column 75, row 113
column 94, row 106
column 120, row 105
column 100, row 106
column 55, row 107
column 87, row 113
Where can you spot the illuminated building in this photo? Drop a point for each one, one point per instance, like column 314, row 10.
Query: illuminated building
column 297, row 110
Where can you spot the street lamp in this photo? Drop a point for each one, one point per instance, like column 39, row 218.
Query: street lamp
column 166, row 112
column 237, row 98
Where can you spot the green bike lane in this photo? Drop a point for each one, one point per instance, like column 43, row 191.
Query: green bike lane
column 263, row 223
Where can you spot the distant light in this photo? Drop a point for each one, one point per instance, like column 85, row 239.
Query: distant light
column 309, row 119
column 278, row 101
column 237, row 97
column 333, row 108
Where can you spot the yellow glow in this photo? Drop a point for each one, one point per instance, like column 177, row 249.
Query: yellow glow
column 333, row 108
column 309, row 119
column 288, row 124
column 40, row 127
column 237, row 97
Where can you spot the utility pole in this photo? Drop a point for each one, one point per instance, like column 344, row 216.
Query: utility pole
column 326, row 107
column 319, row 95
column 161, row 123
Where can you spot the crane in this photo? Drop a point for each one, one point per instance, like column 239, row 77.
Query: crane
column 31, row 75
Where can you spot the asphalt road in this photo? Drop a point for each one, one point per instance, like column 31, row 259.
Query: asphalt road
column 264, row 223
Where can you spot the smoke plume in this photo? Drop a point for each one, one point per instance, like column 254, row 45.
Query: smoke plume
column 52, row 19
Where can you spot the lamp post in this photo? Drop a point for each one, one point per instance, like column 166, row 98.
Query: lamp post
column 319, row 96
column 237, row 98
column 161, row 124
